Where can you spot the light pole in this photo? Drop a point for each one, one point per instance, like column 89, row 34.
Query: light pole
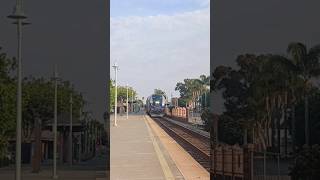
column 132, row 108
column 85, row 132
column 54, row 176
column 70, row 130
column 127, row 101
column 116, row 67
column 80, row 140
column 18, row 15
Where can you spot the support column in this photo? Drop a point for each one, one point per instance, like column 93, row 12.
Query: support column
column 248, row 162
column 38, row 148
column 61, row 148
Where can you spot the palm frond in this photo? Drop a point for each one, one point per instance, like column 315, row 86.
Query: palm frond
column 298, row 51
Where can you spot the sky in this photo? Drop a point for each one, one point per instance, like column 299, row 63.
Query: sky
column 72, row 34
column 264, row 26
column 158, row 43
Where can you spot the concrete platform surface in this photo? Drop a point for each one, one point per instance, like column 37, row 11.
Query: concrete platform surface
column 187, row 165
column 92, row 169
column 46, row 174
column 135, row 153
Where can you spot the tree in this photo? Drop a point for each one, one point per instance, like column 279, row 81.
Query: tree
column 7, row 101
column 308, row 66
column 314, row 109
column 160, row 92
column 189, row 86
column 205, row 80
column 306, row 165
column 112, row 93
column 121, row 93
column 257, row 94
column 37, row 106
column 38, row 100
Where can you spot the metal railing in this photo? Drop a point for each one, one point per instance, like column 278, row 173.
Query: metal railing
column 270, row 166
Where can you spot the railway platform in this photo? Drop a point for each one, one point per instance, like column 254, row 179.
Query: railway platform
column 140, row 149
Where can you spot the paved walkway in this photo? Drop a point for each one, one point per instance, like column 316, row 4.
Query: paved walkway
column 141, row 150
column 94, row 169
column 137, row 154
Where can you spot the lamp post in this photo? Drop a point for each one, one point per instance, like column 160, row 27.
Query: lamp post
column 127, row 101
column 132, row 109
column 116, row 67
column 18, row 15
column 80, row 138
column 70, row 131
column 85, row 132
column 54, row 176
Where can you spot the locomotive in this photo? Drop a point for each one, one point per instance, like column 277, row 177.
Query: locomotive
column 155, row 105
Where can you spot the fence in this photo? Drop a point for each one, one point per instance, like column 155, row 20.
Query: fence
column 4, row 161
column 184, row 114
column 270, row 166
column 243, row 163
column 228, row 162
column 177, row 112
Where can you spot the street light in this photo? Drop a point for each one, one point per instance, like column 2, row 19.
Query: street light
column 127, row 101
column 132, row 108
column 70, row 129
column 80, row 141
column 85, row 132
column 54, row 176
column 116, row 67
column 18, row 15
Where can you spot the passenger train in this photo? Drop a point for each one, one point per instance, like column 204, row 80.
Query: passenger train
column 155, row 105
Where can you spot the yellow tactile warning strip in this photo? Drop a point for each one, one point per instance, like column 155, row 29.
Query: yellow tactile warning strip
column 164, row 165
column 189, row 167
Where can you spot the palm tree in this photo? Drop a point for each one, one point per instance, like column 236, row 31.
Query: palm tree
column 205, row 80
column 308, row 66
column 289, row 88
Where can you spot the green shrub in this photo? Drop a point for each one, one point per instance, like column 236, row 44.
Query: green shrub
column 306, row 165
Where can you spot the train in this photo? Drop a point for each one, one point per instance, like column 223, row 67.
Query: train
column 155, row 105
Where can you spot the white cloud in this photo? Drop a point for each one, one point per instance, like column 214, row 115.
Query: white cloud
column 203, row 3
column 163, row 48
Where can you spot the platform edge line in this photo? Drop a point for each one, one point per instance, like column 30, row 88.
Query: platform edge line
column 164, row 165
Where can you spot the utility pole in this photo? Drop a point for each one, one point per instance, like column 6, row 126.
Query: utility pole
column 89, row 136
column 132, row 108
column 116, row 67
column 85, row 137
column 54, row 176
column 18, row 15
column 80, row 140
column 70, row 131
column 127, row 101
column 205, row 99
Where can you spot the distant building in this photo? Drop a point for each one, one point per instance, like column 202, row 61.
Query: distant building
column 175, row 101
column 79, row 131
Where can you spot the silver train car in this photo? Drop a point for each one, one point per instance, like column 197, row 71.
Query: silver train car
column 155, row 105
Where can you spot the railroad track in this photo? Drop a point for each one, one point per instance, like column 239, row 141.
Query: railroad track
column 197, row 145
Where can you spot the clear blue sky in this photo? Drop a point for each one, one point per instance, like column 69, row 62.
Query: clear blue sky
column 158, row 43
column 154, row 7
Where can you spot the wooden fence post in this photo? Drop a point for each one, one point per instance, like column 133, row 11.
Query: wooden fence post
column 247, row 162
column 222, row 154
column 232, row 164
